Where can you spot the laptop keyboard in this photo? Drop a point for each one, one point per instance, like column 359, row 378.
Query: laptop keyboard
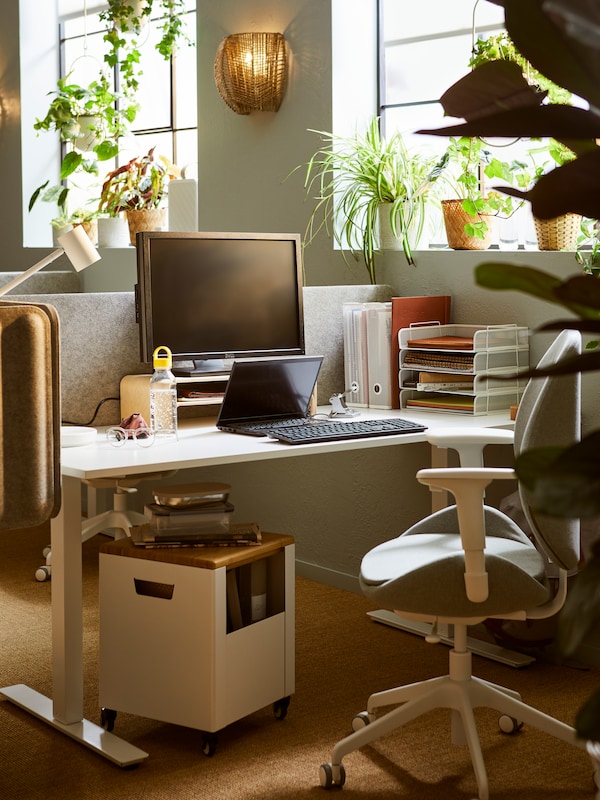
column 340, row 431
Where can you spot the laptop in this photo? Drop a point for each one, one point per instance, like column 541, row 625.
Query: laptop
column 264, row 393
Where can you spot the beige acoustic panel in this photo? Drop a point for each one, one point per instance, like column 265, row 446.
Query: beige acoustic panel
column 29, row 414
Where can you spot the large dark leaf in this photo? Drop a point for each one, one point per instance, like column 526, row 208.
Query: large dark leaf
column 491, row 88
column 541, row 284
column 570, row 188
column 566, row 485
column 561, row 122
column 581, row 611
column 544, row 39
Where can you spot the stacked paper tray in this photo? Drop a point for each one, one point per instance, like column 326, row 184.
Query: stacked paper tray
column 477, row 338
column 460, row 403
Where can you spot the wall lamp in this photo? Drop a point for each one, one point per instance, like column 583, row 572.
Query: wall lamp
column 75, row 244
column 251, row 71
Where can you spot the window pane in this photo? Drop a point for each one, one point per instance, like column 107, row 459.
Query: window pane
column 186, row 148
column 405, row 84
column 155, row 85
column 435, row 16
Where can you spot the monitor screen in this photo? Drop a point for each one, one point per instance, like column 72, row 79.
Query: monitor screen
column 213, row 297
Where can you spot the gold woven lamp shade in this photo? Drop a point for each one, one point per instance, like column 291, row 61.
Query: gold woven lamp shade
column 251, row 72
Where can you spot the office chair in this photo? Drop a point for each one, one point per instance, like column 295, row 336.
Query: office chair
column 113, row 522
column 469, row 562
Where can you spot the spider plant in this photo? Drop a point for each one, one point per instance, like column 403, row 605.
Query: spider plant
column 352, row 177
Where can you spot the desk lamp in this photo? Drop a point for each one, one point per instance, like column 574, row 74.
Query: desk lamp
column 77, row 247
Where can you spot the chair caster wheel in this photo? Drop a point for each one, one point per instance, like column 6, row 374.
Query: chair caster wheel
column 46, row 551
column 509, row 724
column 43, row 574
column 280, row 707
column 209, row 744
column 362, row 720
column 107, row 719
column 332, row 775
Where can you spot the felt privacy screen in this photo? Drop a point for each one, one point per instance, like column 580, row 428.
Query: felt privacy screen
column 29, row 414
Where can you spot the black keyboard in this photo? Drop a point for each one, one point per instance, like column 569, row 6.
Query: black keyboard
column 326, row 431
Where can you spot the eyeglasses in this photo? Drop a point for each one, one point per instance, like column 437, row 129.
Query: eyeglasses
column 117, row 436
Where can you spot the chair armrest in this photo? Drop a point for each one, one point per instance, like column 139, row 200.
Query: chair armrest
column 468, row 487
column 469, row 443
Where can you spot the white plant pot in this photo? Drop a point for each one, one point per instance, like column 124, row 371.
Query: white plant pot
column 113, row 232
column 87, row 137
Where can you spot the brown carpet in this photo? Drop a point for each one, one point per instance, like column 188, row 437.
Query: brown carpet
column 341, row 656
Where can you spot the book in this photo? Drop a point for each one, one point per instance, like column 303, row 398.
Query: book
column 462, row 362
column 446, row 402
column 408, row 311
column 442, row 343
column 238, row 535
column 188, row 520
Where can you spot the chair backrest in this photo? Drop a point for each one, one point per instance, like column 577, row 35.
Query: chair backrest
column 29, row 414
column 550, row 414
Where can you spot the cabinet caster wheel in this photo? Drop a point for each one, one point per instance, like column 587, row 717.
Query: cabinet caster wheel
column 509, row 724
column 43, row 574
column 280, row 707
column 209, row 744
column 332, row 775
column 107, row 719
column 361, row 720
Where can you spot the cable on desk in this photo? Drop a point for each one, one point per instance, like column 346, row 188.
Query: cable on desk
column 98, row 407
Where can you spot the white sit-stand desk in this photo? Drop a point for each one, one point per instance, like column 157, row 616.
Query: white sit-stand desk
column 199, row 444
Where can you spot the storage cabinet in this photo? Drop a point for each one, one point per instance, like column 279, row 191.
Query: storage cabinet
column 475, row 375
column 200, row 390
column 177, row 638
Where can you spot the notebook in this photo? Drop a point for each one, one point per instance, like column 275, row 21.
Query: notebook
column 263, row 393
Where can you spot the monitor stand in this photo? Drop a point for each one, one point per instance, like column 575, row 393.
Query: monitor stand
column 203, row 366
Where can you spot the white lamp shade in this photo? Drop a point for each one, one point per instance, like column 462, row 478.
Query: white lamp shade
column 78, row 248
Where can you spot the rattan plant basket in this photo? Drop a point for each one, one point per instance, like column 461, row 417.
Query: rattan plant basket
column 455, row 219
column 559, row 233
column 146, row 219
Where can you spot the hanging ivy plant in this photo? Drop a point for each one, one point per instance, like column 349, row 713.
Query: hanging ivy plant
column 125, row 19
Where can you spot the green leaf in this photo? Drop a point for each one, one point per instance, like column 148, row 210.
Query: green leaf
column 70, row 163
column 106, row 150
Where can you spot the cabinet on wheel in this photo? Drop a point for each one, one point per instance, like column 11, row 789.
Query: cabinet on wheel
column 186, row 639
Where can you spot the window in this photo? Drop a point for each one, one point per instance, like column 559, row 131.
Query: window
column 167, row 95
column 421, row 56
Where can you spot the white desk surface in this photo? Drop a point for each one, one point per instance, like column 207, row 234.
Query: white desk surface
column 199, row 444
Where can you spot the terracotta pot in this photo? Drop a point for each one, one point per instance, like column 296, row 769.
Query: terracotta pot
column 147, row 219
column 455, row 219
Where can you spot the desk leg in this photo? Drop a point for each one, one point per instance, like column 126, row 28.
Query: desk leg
column 65, row 711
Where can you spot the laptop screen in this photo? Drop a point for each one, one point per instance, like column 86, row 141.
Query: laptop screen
column 269, row 389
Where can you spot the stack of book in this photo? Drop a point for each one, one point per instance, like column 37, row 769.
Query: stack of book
column 193, row 515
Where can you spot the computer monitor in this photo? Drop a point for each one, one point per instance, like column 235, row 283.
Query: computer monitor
column 213, row 297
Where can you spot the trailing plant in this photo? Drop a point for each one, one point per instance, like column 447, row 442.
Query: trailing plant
column 124, row 22
column 139, row 184
column 470, row 157
column 352, row 177
column 495, row 100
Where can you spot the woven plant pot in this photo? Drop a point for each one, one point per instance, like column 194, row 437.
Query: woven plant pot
column 455, row 219
column 559, row 233
column 146, row 219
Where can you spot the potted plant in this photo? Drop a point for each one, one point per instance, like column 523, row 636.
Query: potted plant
column 124, row 20
column 469, row 215
column 91, row 118
column 358, row 178
column 138, row 189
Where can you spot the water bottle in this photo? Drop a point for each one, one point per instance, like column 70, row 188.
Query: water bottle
column 163, row 395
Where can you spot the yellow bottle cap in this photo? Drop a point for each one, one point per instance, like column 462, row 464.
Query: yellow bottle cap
column 162, row 362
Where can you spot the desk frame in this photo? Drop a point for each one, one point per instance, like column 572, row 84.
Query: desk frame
column 64, row 711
